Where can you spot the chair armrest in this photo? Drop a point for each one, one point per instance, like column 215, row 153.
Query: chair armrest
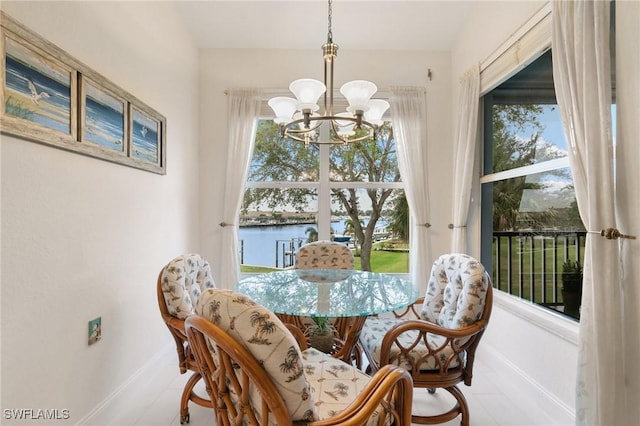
column 410, row 310
column 458, row 340
column 175, row 323
column 391, row 387
column 429, row 327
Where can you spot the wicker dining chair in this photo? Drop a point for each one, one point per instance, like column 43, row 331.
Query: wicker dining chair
column 438, row 348
column 258, row 373
column 180, row 284
column 325, row 254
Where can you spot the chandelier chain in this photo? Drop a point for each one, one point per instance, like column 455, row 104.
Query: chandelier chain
column 329, row 33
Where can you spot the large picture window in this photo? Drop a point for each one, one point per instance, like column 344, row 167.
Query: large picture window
column 298, row 194
column 532, row 231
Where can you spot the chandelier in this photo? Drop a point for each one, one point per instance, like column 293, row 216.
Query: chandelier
column 298, row 117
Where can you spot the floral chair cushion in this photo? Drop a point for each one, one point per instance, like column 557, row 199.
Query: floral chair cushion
column 269, row 341
column 456, row 291
column 183, row 280
column 334, row 384
column 324, row 255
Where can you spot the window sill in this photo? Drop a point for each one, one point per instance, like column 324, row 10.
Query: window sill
column 557, row 324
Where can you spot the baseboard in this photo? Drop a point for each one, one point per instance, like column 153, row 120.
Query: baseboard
column 151, row 365
column 556, row 408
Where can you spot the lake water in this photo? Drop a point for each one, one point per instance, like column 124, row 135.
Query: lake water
column 259, row 242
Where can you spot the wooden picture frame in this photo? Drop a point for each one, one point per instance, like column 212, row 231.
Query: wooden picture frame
column 38, row 93
column 48, row 96
column 103, row 118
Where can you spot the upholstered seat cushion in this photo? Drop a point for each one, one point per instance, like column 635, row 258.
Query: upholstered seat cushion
column 182, row 281
column 371, row 340
column 334, row 384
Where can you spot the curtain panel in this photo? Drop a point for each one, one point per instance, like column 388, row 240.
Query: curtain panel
column 243, row 106
column 465, row 154
column 409, row 120
column 582, row 77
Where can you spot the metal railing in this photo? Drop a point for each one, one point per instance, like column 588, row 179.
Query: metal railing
column 528, row 264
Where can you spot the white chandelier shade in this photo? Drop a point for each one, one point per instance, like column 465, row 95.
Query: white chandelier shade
column 284, row 108
column 377, row 108
column 358, row 93
column 307, row 92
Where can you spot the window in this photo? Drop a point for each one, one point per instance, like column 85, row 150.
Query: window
column 297, row 194
column 530, row 222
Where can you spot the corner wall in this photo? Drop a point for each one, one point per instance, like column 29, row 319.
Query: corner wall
column 82, row 237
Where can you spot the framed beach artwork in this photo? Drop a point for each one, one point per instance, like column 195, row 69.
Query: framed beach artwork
column 38, row 93
column 145, row 136
column 103, row 117
column 47, row 96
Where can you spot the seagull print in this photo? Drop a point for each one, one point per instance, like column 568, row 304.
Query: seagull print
column 35, row 96
column 143, row 131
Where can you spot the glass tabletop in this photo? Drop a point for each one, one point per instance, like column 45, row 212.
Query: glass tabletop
column 328, row 292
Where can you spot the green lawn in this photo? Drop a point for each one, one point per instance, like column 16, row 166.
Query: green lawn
column 532, row 262
column 381, row 261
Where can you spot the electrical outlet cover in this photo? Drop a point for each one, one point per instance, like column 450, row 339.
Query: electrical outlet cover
column 95, row 330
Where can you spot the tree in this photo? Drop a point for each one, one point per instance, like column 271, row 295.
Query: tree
column 510, row 151
column 399, row 225
column 368, row 161
column 312, row 234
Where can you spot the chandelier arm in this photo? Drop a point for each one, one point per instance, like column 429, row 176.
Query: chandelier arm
column 364, row 123
column 337, row 141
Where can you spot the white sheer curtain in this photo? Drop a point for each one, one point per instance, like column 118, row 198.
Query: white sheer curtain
column 243, row 106
column 467, row 138
column 409, row 120
column 581, row 73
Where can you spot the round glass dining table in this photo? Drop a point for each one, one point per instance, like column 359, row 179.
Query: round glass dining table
column 331, row 293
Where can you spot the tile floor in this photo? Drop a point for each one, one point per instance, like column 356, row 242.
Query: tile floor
column 153, row 399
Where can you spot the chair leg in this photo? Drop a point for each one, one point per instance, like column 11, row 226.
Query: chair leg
column 189, row 395
column 460, row 408
column 462, row 404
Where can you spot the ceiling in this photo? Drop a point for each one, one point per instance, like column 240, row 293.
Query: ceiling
column 431, row 25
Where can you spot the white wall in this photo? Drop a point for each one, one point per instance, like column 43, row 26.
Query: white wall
column 82, row 237
column 628, row 190
column 275, row 69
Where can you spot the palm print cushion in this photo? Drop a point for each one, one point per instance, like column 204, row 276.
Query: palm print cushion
column 335, row 384
column 312, row 384
column 268, row 340
column 182, row 281
column 324, row 255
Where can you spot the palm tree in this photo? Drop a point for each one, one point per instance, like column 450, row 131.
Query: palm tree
column 312, row 234
column 399, row 225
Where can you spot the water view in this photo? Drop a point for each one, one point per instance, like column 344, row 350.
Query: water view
column 262, row 245
column 272, row 245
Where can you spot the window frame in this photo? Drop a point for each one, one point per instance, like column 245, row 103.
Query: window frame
column 324, row 185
